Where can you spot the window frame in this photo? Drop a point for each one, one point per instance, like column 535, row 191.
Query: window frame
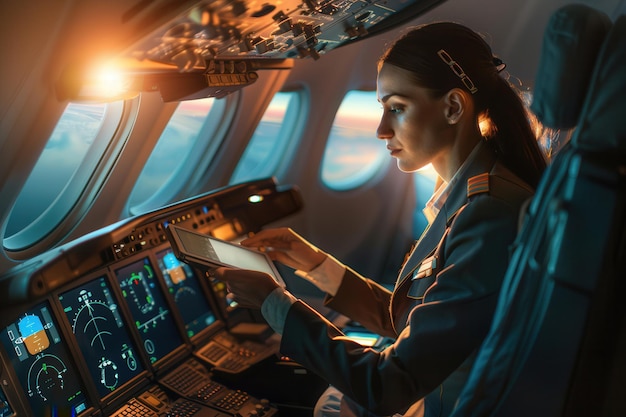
column 363, row 176
column 290, row 133
column 82, row 188
column 189, row 173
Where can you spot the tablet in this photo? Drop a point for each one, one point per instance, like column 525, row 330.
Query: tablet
column 204, row 251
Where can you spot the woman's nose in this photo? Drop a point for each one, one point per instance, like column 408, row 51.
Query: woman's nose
column 383, row 131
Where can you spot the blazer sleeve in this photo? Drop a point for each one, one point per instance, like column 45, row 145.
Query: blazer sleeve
column 364, row 301
column 441, row 333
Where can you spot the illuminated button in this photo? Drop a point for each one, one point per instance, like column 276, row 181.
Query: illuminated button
column 153, row 401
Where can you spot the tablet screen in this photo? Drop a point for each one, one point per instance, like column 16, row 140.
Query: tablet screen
column 207, row 247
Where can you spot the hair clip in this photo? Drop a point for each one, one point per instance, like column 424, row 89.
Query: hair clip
column 458, row 71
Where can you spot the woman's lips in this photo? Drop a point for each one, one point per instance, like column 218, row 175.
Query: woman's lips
column 394, row 151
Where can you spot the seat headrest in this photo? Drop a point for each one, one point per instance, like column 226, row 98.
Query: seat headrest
column 602, row 126
column 571, row 43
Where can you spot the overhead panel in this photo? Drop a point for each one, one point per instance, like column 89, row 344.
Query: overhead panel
column 216, row 47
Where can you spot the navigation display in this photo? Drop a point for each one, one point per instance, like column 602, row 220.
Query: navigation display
column 43, row 365
column 102, row 336
column 184, row 286
column 148, row 306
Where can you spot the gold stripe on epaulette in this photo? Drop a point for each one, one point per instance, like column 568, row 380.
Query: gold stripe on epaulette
column 478, row 184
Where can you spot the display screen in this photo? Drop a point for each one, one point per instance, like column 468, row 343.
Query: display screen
column 226, row 253
column 362, row 337
column 148, row 306
column 44, row 367
column 102, row 335
column 183, row 284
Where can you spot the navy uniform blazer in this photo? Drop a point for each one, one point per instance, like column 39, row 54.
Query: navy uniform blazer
column 439, row 311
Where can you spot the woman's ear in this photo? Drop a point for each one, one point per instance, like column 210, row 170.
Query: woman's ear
column 456, row 103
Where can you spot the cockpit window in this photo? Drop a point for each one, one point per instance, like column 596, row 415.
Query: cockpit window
column 188, row 142
column 274, row 136
column 353, row 155
column 64, row 170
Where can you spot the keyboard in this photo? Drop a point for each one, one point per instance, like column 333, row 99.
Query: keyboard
column 227, row 354
column 155, row 403
column 191, row 380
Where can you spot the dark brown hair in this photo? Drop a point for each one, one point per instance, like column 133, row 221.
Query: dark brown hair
column 447, row 55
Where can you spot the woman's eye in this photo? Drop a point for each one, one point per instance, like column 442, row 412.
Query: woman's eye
column 393, row 109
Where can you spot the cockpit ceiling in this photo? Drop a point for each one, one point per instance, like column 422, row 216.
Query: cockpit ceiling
column 211, row 48
column 257, row 29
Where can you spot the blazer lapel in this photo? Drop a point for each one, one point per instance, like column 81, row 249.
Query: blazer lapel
column 424, row 246
column 482, row 161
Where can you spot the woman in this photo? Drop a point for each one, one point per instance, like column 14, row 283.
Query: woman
column 444, row 103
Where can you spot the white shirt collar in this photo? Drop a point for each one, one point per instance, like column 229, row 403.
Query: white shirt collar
column 438, row 199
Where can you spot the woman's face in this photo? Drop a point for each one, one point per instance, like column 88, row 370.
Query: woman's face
column 413, row 122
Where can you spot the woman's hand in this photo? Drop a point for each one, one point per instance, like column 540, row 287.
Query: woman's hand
column 287, row 247
column 249, row 288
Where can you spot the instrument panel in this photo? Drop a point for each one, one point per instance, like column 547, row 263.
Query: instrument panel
column 106, row 339
column 42, row 362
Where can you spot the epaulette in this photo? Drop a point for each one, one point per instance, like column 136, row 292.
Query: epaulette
column 478, row 184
